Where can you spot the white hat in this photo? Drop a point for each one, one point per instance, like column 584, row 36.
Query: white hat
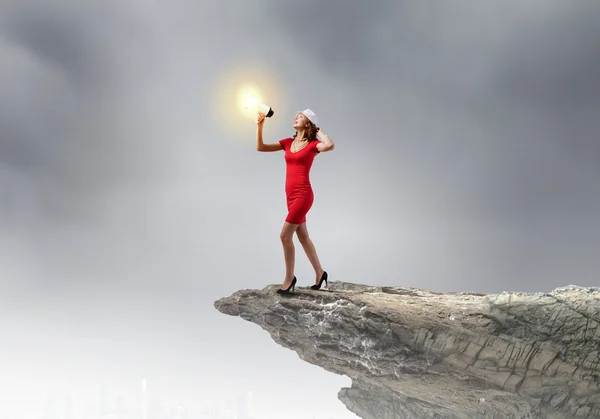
column 311, row 116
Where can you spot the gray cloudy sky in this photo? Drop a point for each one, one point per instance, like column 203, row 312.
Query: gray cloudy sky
column 467, row 159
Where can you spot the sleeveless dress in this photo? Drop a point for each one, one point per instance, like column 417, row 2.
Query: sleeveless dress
column 298, row 190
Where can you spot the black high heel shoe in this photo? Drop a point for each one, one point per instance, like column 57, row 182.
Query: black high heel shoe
column 318, row 286
column 287, row 291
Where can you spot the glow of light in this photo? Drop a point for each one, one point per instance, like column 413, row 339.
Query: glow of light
column 236, row 95
column 248, row 99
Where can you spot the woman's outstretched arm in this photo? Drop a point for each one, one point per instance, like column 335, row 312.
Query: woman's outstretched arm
column 260, row 145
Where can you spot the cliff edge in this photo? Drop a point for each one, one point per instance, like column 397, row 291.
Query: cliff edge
column 414, row 353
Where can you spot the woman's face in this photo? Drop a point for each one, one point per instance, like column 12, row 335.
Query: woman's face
column 300, row 121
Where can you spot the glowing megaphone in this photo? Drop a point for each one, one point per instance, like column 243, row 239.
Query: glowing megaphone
column 266, row 110
column 251, row 102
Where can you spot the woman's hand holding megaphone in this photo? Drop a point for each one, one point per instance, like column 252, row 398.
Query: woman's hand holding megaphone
column 260, row 120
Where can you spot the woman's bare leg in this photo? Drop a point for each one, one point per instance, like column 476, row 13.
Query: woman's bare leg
column 287, row 234
column 309, row 249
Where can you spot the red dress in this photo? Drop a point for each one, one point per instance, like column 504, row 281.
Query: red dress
column 298, row 189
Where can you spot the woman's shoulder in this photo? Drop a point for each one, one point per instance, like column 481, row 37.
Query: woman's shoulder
column 314, row 144
column 285, row 141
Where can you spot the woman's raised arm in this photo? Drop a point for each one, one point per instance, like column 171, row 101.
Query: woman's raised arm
column 260, row 145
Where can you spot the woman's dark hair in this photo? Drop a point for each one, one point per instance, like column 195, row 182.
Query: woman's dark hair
column 310, row 133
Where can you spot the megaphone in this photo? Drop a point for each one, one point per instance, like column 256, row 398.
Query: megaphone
column 266, row 110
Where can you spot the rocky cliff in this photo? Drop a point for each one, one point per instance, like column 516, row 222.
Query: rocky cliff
column 413, row 353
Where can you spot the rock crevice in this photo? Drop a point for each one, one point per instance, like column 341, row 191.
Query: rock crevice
column 413, row 353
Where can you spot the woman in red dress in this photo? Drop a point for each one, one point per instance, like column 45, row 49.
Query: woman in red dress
column 300, row 151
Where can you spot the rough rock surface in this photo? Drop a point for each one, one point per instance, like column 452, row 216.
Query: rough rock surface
column 413, row 353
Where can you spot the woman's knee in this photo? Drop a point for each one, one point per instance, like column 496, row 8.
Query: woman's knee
column 286, row 237
column 302, row 234
column 302, row 237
